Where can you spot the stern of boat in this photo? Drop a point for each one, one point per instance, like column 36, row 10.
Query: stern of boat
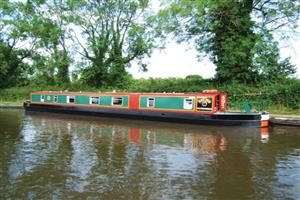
column 265, row 119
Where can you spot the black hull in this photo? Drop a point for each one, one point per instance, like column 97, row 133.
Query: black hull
column 249, row 120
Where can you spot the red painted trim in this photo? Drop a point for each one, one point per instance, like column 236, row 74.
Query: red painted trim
column 167, row 110
column 177, row 111
column 223, row 102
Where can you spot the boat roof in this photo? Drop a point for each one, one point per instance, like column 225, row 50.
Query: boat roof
column 212, row 92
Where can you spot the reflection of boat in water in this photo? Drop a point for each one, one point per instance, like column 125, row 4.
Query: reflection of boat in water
column 203, row 138
column 208, row 107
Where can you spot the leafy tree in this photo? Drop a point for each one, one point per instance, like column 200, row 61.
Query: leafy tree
column 234, row 33
column 113, row 34
column 45, row 23
column 267, row 62
column 13, row 70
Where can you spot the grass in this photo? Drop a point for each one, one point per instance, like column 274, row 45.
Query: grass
column 11, row 103
column 279, row 109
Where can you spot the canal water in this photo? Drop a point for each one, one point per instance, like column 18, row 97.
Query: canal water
column 57, row 156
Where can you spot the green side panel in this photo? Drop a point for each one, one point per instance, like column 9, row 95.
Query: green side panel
column 164, row 102
column 49, row 98
column 62, row 99
column 82, row 99
column 105, row 100
column 36, row 98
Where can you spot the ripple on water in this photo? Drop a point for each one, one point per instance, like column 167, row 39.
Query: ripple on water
column 63, row 156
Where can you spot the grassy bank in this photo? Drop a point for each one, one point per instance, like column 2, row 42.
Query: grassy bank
column 280, row 98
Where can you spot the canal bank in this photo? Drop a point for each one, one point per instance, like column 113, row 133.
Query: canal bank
column 286, row 120
column 11, row 105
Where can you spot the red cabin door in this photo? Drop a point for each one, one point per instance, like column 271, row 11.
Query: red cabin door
column 134, row 101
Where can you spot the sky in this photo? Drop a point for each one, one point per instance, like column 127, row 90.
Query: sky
column 180, row 60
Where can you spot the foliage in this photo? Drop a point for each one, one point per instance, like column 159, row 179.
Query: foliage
column 114, row 34
column 192, row 83
column 266, row 60
column 13, row 70
column 236, row 35
column 44, row 23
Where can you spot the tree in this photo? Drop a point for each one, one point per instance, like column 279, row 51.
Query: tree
column 45, row 23
column 13, row 70
column 232, row 32
column 267, row 62
column 113, row 34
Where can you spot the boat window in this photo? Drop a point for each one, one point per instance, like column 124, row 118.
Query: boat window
column 55, row 99
column 42, row 98
column 204, row 104
column 94, row 100
column 150, row 102
column 70, row 99
column 188, row 103
column 117, row 101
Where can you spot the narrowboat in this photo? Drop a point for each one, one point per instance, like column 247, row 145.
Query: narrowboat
column 207, row 108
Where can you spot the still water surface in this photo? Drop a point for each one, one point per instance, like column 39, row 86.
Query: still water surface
column 52, row 156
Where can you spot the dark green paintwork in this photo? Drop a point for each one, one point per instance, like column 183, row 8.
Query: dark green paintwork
column 82, row 99
column 105, row 100
column 62, row 98
column 79, row 99
column 164, row 102
column 36, row 98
